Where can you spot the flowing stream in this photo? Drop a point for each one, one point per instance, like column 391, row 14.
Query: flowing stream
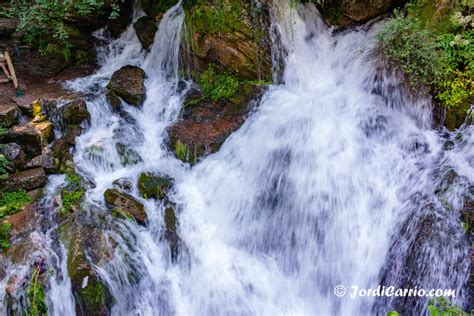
column 326, row 184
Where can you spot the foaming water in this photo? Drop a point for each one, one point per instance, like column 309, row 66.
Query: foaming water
column 326, row 183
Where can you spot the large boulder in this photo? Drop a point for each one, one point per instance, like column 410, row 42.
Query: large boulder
column 60, row 149
column 350, row 12
column 231, row 36
column 45, row 161
column 153, row 185
column 418, row 241
column 8, row 114
column 145, row 27
column 29, row 138
column 26, row 180
column 65, row 112
column 205, row 124
column 92, row 297
column 125, row 205
column 128, row 83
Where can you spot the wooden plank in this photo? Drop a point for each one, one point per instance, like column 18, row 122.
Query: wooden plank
column 11, row 70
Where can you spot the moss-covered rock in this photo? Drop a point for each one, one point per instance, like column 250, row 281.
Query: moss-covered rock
column 26, row 180
column 128, row 156
column 128, row 83
column 145, row 27
column 60, row 148
column 152, row 185
column 231, row 35
column 171, row 234
column 8, row 114
column 206, row 124
column 29, row 138
column 456, row 116
column 123, row 203
column 91, row 294
column 45, row 128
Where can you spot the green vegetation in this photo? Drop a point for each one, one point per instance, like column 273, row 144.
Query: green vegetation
column 43, row 22
column 70, row 199
column 181, row 150
column 73, row 178
column 5, row 235
column 12, row 202
column 215, row 16
column 3, row 132
column 36, row 295
column 218, row 86
column 440, row 307
column 431, row 43
column 3, row 167
column 443, row 307
column 117, row 212
column 73, row 194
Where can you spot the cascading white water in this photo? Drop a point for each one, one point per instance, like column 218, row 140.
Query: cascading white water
column 308, row 194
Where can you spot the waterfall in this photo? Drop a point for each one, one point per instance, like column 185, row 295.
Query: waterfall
column 325, row 184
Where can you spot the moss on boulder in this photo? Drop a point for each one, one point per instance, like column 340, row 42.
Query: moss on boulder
column 123, row 203
column 231, row 35
column 206, row 124
column 152, row 185
column 91, row 294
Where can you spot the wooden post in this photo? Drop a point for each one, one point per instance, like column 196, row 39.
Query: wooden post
column 10, row 69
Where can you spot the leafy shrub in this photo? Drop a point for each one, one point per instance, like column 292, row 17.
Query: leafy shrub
column 43, row 22
column 217, row 86
column 443, row 307
column 11, row 202
column 431, row 44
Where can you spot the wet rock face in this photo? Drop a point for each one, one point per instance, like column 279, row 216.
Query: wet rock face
column 29, row 138
column 153, row 185
column 206, row 124
column 418, row 243
column 350, row 12
column 45, row 161
column 25, row 180
column 127, row 83
column 125, row 205
column 230, row 36
column 64, row 113
column 13, row 153
column 8, row 114
column 155, row 8
column 60, row 147
column 145, row 27
column 171, row 234
column 91, row 294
